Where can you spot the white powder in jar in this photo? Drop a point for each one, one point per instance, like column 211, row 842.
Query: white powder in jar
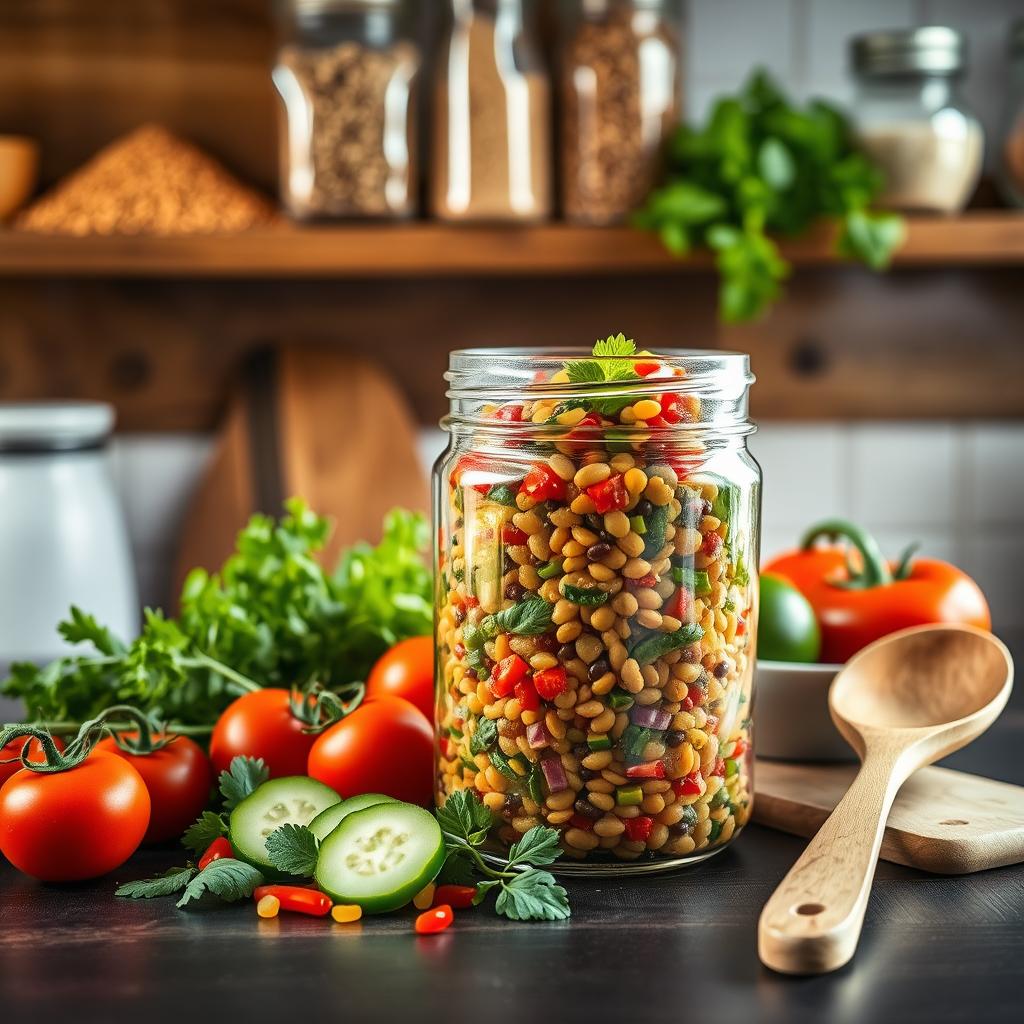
column 929, row 166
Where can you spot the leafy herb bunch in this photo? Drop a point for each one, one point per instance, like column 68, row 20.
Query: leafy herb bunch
column 761, row 165
column 271, row 617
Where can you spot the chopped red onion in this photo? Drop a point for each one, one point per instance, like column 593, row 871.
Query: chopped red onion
column 537, row 736
column 649, row 718
column 554, row 774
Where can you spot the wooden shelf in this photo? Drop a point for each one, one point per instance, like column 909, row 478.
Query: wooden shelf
column 430, row 250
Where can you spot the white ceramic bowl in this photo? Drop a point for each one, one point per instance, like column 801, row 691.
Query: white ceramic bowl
column 791, row 719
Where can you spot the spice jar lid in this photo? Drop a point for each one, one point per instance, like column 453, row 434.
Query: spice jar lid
column 932, row 49
column 54, row 426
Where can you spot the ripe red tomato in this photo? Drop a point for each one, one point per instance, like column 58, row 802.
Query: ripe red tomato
column 261, row 724
column 178, row 778
column 14, row 748
column 407, row 671
column 68, row 826
column 384, row 746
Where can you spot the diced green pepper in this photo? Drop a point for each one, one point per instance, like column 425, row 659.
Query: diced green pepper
column 589, row 597
column 535, row 784
column 629, row 796
column 731, row 767
column 720, row 798
column 550, row 569
column 502, row 494
column 696, row 580
column 632, row 742
column 619, row 700
column 656, row 645
column 716, row 830
column 657, row 522
column 637, row 525
column 601, row 742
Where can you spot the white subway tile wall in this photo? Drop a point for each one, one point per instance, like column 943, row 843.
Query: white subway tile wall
column 959, row 490
column 804, row 44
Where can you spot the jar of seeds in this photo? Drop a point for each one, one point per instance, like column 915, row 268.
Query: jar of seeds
column 621, row 94
column 347, row 74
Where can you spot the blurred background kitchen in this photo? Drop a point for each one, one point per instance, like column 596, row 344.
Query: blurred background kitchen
column 296, row 212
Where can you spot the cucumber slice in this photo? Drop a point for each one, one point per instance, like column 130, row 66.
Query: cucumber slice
column 327, row 821
column 295, row 800
column 380, row 857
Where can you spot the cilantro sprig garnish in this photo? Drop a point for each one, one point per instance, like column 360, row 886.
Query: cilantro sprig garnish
column 524, row 891
column 607, row 367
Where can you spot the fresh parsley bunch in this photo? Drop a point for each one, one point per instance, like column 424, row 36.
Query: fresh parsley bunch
column 271, row 617
column 524, row 891
column 762, row 165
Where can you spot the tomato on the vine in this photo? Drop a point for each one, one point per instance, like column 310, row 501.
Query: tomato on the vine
column 385, row 746
column 79, row 823
column 178, row 778
column 407, row 671
column 14, row 749
column 261, row 724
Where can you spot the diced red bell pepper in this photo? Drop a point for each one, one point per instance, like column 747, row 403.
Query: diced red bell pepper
column 741, row 626
column 506, row 674
column 688, row 786
column 582, row 430
column 434, row 920
column 695, row 695
column 581, row 822
column 509, row 413
column 551, row 682
column 609, row 495
column 638, row 830
column 740, row 748
column 652, row 770
column 712, row 545
column 644, row 583
column 469, row 464
column 513, row 535
column 645, row 369
column 680, row 605
column 526, row 694
column 719, row 768
column 542, row 483
column 472, row 602
column 460, row 897
column 459, row 650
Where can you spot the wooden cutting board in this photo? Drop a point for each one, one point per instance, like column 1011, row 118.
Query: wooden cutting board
column 943, row 821
column 313, row 422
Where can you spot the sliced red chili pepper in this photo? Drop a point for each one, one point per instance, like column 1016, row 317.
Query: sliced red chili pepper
column 542, row 483
column 638, row 830
column 510, row 413
column 506, row 674
column 551, row 682
column 297, row 899
column 218, row 849
column 653, row 770
column 609, row 495
column 526, row 694
column 581, row 822
column 435, row 920
column 513, row 535
column 459, row 897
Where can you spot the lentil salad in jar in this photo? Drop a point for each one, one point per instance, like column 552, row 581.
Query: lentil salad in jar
column 597, row 532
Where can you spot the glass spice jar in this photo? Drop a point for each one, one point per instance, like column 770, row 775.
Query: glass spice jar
column 492, row 116
column 596, row 573
column 912, row 119
column 346, row 74
column 621, row 97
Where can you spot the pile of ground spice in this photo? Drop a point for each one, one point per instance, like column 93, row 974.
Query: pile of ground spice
column 149, row 182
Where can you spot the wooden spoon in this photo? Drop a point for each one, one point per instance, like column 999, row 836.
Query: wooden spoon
column 902, row 703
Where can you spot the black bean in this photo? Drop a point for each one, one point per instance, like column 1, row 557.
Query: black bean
column 508, row 565
column 581, row 750
column 588, row 810
column 643, row 508
column 706, row 507
column 513, row 805
column 598, row 551
column 514, row 591
column 680, row 828
column 460, row 614
column 675, row 738
column 567, row 652
column 598, row 668
column 586, row 774
column 546, row 642
column 722, row 669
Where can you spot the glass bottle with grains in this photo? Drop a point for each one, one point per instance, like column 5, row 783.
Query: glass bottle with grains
column 492, row 116
column 346, row 73
column 621, row 95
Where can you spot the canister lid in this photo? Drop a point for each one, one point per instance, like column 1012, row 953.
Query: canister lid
column 54, row 426
column 929, row 50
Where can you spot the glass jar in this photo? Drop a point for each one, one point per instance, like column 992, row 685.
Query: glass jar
column 346, row 73
column 621, row 95
column 912, row 120
column 1011, row 156
column 492, row 117
column 596, row 579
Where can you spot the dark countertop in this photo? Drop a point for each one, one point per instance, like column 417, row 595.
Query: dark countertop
column 649, row 949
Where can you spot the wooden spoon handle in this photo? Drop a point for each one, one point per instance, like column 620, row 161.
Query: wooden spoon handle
column 812, row 922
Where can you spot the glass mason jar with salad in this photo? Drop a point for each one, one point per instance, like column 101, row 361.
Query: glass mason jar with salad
column 597, row 523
